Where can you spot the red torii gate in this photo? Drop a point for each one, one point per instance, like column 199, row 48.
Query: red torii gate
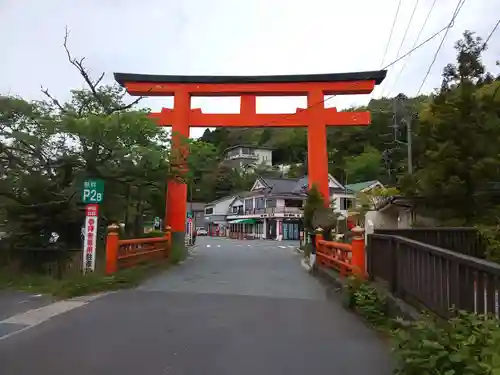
column 315, row 117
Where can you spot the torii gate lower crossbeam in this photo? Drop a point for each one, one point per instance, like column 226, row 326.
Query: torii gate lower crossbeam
column 315, row 117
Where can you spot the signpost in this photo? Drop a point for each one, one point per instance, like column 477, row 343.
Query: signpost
column 189, row 231
column 90, row 237
column 93, row 191
column 92, row 195
column 157, row 223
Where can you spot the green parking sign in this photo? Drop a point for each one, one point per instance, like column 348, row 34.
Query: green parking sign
column 93, row 191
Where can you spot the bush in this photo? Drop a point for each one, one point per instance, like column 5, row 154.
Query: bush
column 364, row 298
column 491, row 237
column 466, row 344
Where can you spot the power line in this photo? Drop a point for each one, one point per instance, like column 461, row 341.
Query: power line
column 402, row 40
column 491, row 33
column 417, row 47
column 290, row 115
column 450, row 25
column 414, row 44
column 390, row 34
column 407, row 28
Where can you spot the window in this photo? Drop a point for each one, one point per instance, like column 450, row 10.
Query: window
column 260, row 202
column 248, row 204
column 271, row 203
column 209, row 211
column 345, row 203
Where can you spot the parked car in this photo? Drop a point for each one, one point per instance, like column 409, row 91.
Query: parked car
column 201, row 232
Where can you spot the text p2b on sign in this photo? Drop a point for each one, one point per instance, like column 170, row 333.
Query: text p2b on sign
column 93, row 191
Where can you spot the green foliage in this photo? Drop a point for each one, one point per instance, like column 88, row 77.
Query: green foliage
column 366, row 201
column 313, row 203
column 456, row 156
column 78, row 285
column 49, row 149
column 364, row 298
column 491, row 235
column 366, row 166
column 466, row 344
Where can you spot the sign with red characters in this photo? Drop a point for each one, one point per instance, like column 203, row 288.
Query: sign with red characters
column 90, row 237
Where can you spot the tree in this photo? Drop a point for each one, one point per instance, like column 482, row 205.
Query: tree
column 457, row 153
column 367, row 201
column 49, row 148
column 317, row 214
column 366, row 166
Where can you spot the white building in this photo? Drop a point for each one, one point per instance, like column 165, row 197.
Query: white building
column 215, row 214
column 272, row 209
column 242, row 155
column 341, row 198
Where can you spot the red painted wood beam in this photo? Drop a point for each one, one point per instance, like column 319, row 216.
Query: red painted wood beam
column 301, row 118
column 259, row 89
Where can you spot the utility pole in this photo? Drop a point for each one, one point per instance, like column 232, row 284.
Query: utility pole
column 408, row 122
column 409, row 143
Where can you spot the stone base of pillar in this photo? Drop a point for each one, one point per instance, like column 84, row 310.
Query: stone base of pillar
column 178, row 251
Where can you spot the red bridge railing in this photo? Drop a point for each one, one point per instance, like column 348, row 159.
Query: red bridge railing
column 348, row 259
column 128, row 253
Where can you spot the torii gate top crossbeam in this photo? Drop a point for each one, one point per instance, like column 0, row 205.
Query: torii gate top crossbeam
column 277, row 85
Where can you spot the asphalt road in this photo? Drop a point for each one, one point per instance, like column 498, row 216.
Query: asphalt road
column 234, row 307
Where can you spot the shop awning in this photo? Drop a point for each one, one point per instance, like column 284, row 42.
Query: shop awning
column 243, row 221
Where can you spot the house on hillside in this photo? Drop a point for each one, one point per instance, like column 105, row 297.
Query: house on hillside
column 245, row 155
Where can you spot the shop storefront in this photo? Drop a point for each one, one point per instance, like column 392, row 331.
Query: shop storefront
column 246, row 228
column 291, row 229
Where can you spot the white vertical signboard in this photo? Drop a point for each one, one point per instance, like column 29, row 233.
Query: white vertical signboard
column 90, row 237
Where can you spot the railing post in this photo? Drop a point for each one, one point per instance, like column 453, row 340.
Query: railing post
column 112, row 249
column 168, row 237
column 358, row 251
column 318, row 236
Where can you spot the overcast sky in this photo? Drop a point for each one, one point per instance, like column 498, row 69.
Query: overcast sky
column 237, row 37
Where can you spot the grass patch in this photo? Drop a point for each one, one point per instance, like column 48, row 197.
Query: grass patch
column 78, row 285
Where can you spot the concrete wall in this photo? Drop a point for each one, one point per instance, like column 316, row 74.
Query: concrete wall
column 395, row 217
column 265, row 157
column 222, row 206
